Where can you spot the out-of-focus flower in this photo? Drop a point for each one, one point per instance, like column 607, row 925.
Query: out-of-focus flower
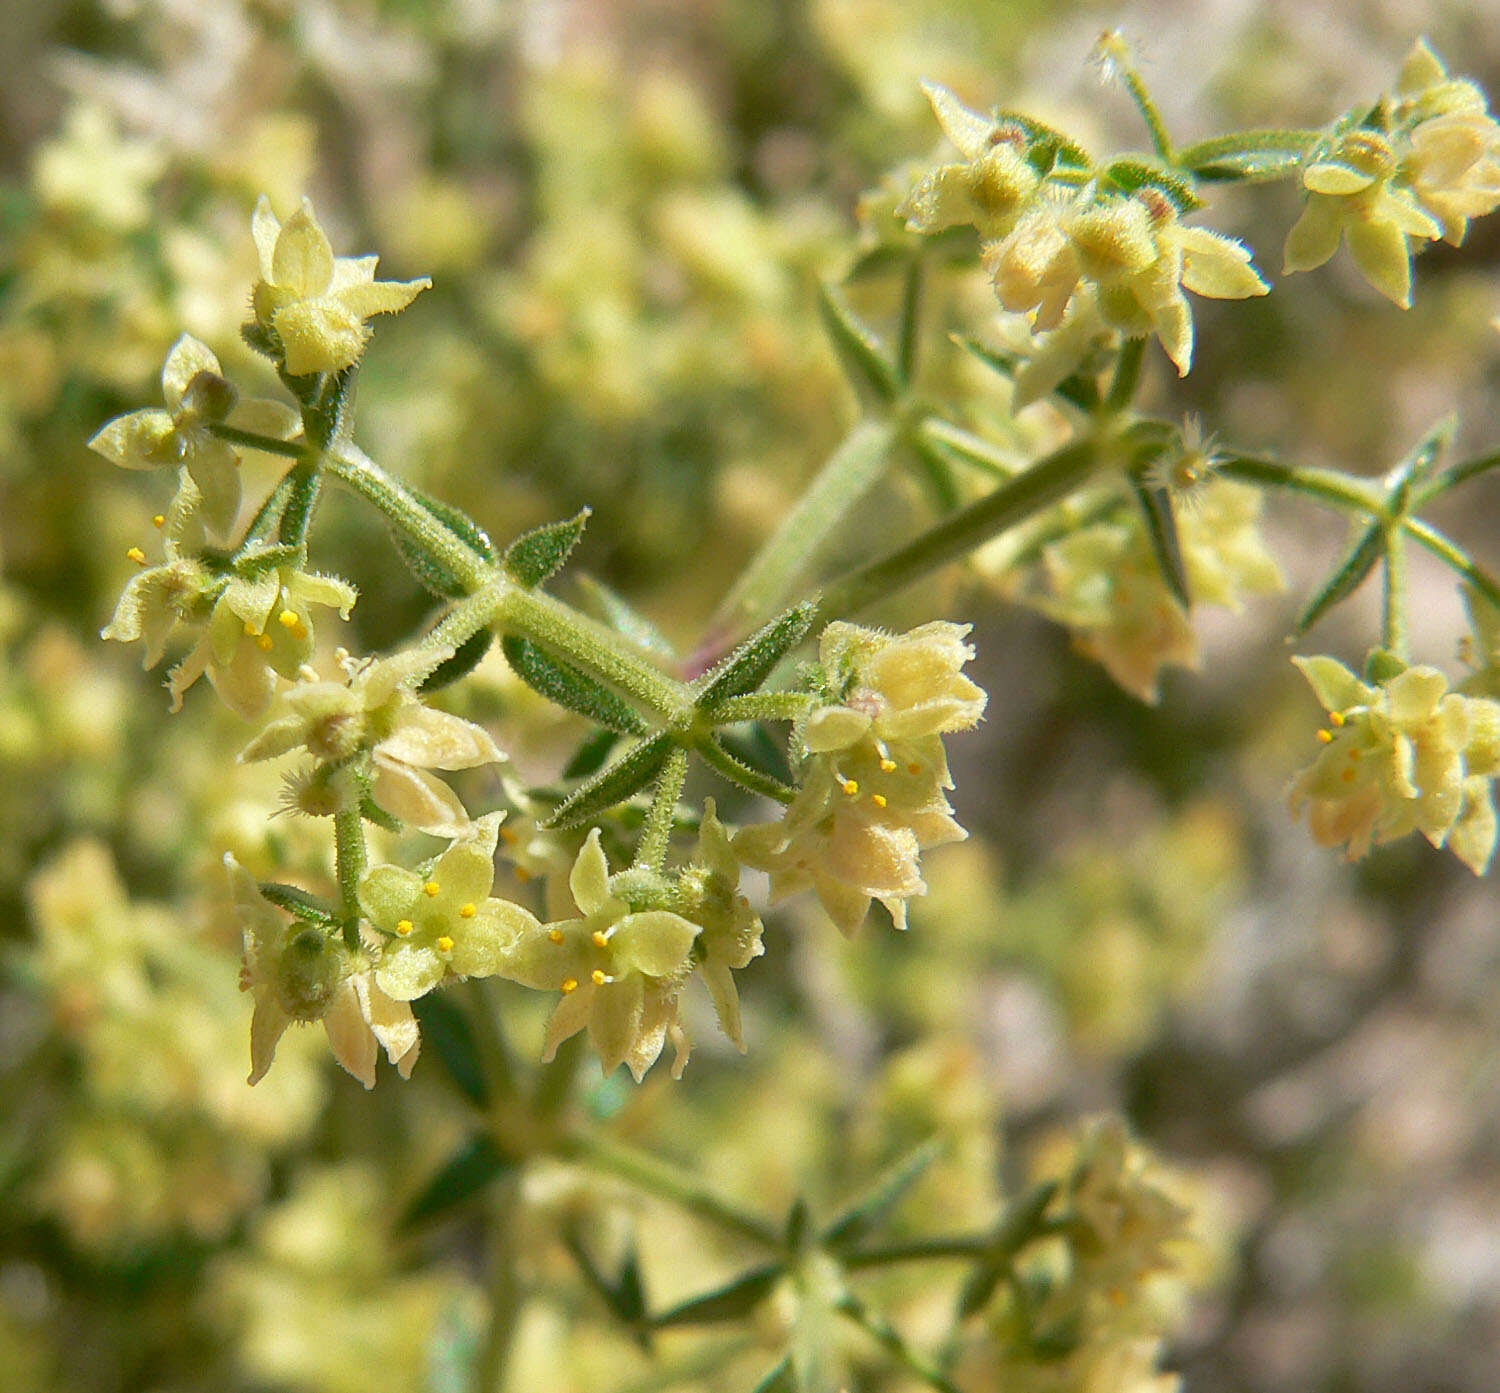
column 872, row 796
column 91, row 170
column 376, row 708
column 316, row 303
column 197, row 397
column 1402, row 755
column 443, row 924
column 619, row 971
column 297, row 972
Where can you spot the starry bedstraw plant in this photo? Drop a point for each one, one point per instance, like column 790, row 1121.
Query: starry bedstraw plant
column 1118, row 533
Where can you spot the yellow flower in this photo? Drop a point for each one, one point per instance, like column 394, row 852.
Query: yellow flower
column 1400, row 756
column 1454, row 169
column 317, row 303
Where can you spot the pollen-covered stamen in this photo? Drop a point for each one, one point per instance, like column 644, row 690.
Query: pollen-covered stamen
column 555, row 935
column 878, row 799
column 432, row 889
column 601, row 938
column 850, row 786
column 137, row 555
column 1325, row 737
column 444, row 944
column 467, row 911
column 292, row 623
column 405, row 928
column 569, row 985
column 1337, row 718
column 599, row 977
column 265, row 643
column 158, row 520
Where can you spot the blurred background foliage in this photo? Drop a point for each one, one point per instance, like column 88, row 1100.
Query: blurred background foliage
column 625, row 208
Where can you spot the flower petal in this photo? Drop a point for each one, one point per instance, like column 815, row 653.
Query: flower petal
column 656, row 942
column 589, row 878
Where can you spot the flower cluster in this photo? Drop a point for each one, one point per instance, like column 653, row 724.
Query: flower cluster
column 872, row 797
column 1059, row 237
column 1400, row 755
column 1417, row 168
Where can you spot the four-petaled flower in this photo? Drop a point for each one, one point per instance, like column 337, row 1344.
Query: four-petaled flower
column 317, row 303
column 619, row 971
column 376, row 708
column 297, row 972
column 1401, row 755
column 197, row 397
column 443, row 924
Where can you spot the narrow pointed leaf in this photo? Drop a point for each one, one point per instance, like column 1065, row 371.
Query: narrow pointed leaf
column 1078, row 389
column 623, row 779
column 1247, row 155
column 434, row 577
column 475, row 1164
column 570, row 687
column 262, row 560
column 732, row 1301
column 1347, row 577
column 1048, row 147
column 468, row 655
column 751, row 663
column 589, row 757
column 297, row 902
column 909, row 331
column 540, row 553
column 623, row 617
column 373, row 813
column 1166, row 547
column 781, row 1379
column 1016, row 1227
column 1418, row 464
column 864, row 359
column 874, row 1207
column 1129, row 175
column 446, row 1031
column 746, row 776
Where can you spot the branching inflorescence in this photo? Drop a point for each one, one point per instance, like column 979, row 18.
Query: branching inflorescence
column 1116, row 534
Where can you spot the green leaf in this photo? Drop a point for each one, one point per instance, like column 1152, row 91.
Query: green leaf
column 737, row 771
column 434, row 576
column 446, row 1029
column 625, row 1295
column 1130, row 175
column 540, row 553
column 1347, row 577
column 623, row 617
column 781, row 1379
column 1079, row 389
column 1048, row 148
column 468, row 655
column 864, row 359
column 1247, row 156
column 327, row 418
column 373, row 813
column 798, row 1225
column 1418, row 464
column 1016, row 1228
column 760, row 750
column 475, row 1164
column 623, row 779
column 261, row 340
column 571, row 687
column 751, row 663
column 457, row 522
column 874, row 1207
column 297, row 902
column 732, row 1301
column 264, row 559
column 589, row 757
column 1161, row 529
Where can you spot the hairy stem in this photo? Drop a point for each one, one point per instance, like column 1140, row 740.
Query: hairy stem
column 349, row 860
column 651, row 851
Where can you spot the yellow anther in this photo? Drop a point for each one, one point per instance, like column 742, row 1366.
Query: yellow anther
column 878, row 799
column 404, row 928
column 601, row 939
column 850, row 786
column 556, row 935
column 1326, row 736
column 445, row 944
column 250, row 630
column 159, row 520
column 570, row 984
column 287, row 619
column 137, row 555
column 887, row 766
column 598, row 975
column 466, row 911
column 265, row 643
column 432, row 889
column 1336, row 718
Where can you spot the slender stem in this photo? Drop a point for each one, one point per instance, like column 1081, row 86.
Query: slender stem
column 909, row 334
column 359, row 473
column 1393, row 632
column 656, row 835
column 595, row 648
column 349, row 860
column 1127, row 376
column 1459, row 473
column 966, row 446
column 960, row 1246
column 266, row 444
column 1046, row 482
column 506, row 1296
column 890, row 1339
column 304, row 484
column 666, row 1181
column 761, row 706
column 494, row 1049
column 268, row 516
column 785, row 557
column 468, row 616
column 1140, row 94
column 1326, row 485
column 1453, row 556
column 717, row 757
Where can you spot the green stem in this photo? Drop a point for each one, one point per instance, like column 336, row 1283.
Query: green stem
column 349, row 860
column 268, row 516
column 1460, row 473
column 1325, row 485
column 909, row 332
column 594, row 647
column 506, row 1296
column 1393, row 632
column 360, row 474
column 1127, row 376
column 966, row 446
column 266, row 444
column 786, row 556
column 761, row 706
column 1454, row 557
column 889, row 1339
column 468, row 616
column 656, row 835
column 717, row 757
column 304, row 484
column 667, row 1182
column 963, row 1247
column 1046, row 482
